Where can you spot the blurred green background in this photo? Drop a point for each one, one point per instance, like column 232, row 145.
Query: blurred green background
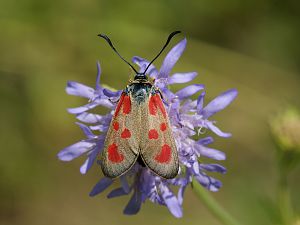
column 252, row 45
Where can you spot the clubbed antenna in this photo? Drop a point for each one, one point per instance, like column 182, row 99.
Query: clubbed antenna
column 168, row 40
column 111, row 45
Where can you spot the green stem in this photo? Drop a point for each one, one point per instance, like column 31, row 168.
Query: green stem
column 217, row 210
column 284, row 201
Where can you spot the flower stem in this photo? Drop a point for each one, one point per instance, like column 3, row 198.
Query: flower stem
column 217, row 210
column 284, row 201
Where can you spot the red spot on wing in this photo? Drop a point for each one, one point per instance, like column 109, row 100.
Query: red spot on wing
column 163, row 126
column 113, row 154
column 165, row 154
column 126, row 105
column 160, row 105
column 116, row 126
column 152, row 106
column 119, row 104
column 126, row 133
column 152, row 134
column 154, row 103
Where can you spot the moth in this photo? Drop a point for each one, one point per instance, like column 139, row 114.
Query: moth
column 140, row 129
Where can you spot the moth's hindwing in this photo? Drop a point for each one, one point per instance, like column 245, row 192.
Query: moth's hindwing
column 121, row 147
column 157, row 146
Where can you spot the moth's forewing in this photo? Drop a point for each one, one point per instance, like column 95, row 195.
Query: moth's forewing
column 121, row 148
column 157, row 146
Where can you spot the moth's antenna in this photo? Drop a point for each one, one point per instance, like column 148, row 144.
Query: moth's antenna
column 111, row 45
column 168, row 40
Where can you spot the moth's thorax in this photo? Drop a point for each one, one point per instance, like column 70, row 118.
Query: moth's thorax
column 140, row 90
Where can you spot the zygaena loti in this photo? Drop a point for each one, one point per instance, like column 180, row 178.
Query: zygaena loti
column 140, row 129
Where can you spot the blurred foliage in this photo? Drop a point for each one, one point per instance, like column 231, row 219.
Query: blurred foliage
column 250, row 45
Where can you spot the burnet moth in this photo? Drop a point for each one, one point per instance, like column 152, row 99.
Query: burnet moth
column 140, row 128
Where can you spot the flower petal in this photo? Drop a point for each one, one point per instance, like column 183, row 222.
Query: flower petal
column 181, row 193
column 171, row 58
column 73, row 151
column 171, row 201
column 78, row 89
column 101, row 186
column 189, row 91
column 89, row 162
column 101, row 128
column 116, row 193
column 84, row 108
column 200, row 101
column 195, row 164
column 110, row 93
column 219, row 103
column 167, row 93
column 93, row 155
column 86, row 130
column 106, row 103
column 210, row 152
column 125, row 185
column 143, row 63
column 216, row 130
column 93, row 118
column 205, row 141
column 213, row 168
column 179, row 78
column 208, row 182
column 91, row 105
column 134, row 205
column 188, row 106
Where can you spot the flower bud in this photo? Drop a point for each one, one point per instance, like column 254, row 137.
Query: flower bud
column 286, row 130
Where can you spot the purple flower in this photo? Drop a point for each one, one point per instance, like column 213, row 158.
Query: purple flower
column 188, row 119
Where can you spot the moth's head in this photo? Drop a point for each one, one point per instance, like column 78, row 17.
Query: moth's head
column 140, row 76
